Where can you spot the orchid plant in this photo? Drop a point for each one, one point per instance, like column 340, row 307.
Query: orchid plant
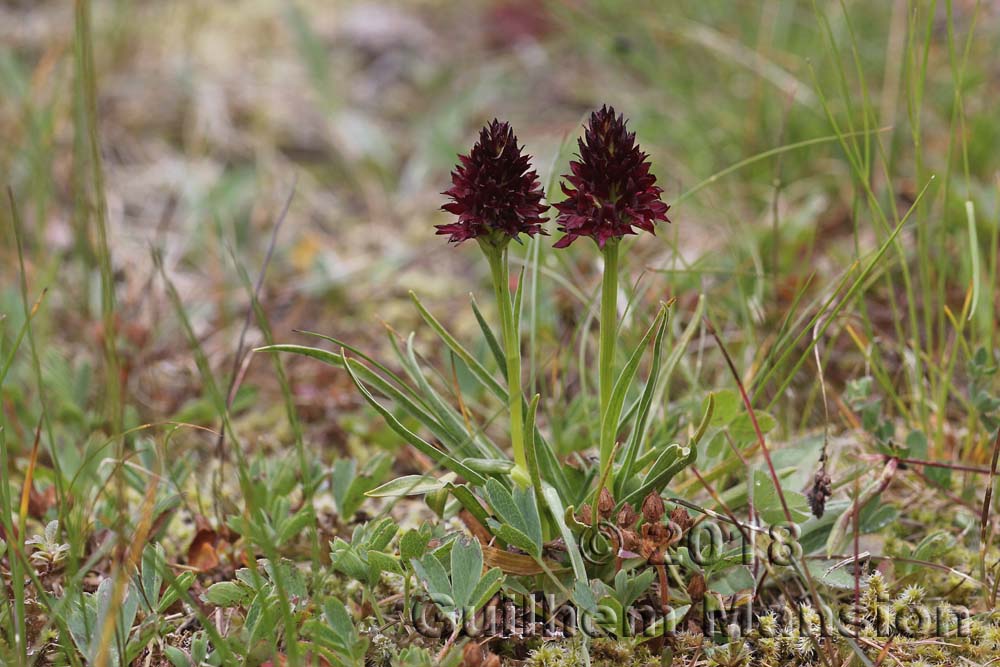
column 497, row 197
column 528, row 499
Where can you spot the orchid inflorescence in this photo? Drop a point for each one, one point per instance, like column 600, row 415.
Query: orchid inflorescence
column 496, row 194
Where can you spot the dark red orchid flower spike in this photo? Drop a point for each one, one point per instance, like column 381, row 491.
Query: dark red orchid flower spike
column 495, row 193
column 610, row 188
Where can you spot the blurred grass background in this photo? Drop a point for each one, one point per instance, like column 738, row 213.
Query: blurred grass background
column 207, row 113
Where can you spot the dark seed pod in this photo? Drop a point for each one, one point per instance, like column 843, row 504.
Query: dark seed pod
column 681, row 518
column 626, row 516
column 696, row 588
column 819, row 492
column 472, row 655
column 605, row 503
column 652, row 508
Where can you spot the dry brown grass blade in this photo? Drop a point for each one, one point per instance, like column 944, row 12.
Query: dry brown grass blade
column 517, row 564
column 753, row 421
column 984, row 518
column 29, row 480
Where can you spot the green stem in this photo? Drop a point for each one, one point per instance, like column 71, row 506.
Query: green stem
column 497, row 258
column 609, row 334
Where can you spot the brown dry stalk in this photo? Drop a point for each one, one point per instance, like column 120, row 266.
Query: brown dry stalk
column 984, row 519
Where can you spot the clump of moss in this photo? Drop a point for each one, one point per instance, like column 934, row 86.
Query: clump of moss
column 557, row 654
column 733, row 654
column 603, row 653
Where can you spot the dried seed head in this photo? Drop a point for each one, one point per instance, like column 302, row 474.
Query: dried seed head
column 657, row 532
column 820, row 491
column 630, row 541
column 681, row 518
column 605, row 503
column 585, row 515
column 652, row 508
column 495, row 193
column 647, row 549
column 626, row 516
column 696, row 588
column 610, row 188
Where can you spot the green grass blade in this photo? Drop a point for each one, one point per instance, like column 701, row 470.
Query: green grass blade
column 491, row 339
column 442, row 458
column 477, row 369
column 380, row 384
column 642, row 416
column 623, row 383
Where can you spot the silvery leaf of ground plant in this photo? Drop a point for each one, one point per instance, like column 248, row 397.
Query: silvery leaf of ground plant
column 467, row 588
column 198, row 656
column 87, row 618
column 354, row 558
column 335, row 635
column 349, row 485
column 520, row 525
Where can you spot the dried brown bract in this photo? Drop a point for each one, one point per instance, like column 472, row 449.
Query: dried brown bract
column 605, row 504
column 652, row 508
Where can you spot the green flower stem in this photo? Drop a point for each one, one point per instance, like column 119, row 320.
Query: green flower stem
column 609, row 335
column 497, row 258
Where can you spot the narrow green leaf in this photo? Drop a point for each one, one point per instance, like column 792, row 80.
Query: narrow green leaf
column 548, row 463
column 529, row 449
column 378, row 383
column 446, row 414
column 411, row 485
column 609, row 423
column 385, row 370
column 412, row 438
column 491, row 339
column 486, row 587
column 490, row 466
column 464, row 495
column 477, row 369
column 558, row 512
column 642, row 415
